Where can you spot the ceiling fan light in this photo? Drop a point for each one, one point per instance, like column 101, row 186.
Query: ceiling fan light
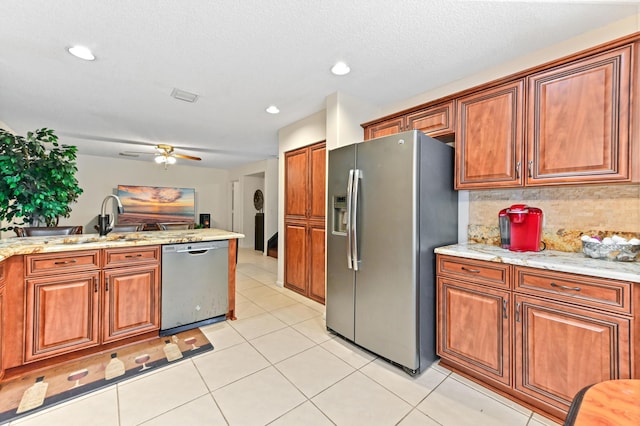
column 171, row 160
column 160, row 159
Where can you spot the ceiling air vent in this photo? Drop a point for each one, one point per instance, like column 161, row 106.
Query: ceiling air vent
column 184, row 96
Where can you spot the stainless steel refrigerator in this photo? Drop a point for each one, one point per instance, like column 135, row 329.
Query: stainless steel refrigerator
column 390, row 202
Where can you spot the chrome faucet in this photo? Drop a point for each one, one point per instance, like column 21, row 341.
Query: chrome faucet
column 104, row 225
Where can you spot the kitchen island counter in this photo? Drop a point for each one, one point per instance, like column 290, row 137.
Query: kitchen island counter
column 109, row 286
column 30, row 245
column 576, row 263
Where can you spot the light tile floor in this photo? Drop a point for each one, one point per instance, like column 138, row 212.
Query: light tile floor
column 276, row 364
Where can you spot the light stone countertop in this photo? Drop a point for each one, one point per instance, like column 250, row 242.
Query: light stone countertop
column 576, row 263
column 29, row 245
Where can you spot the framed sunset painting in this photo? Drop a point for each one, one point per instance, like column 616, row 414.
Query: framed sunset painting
column 154, row 204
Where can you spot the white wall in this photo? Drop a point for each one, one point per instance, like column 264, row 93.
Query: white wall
column 250, row 184
column 99, row 176
column 584, row 41
column 267, row 170
column 271, row 197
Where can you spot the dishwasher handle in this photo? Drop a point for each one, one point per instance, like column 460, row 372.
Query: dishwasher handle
column 194, row 252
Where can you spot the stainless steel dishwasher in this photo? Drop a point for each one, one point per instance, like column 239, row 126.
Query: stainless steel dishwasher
column 195, row 279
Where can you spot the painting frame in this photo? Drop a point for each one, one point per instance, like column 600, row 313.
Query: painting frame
column 156, row 204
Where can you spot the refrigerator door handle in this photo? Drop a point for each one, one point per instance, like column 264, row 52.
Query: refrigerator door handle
column 349, row 207
column 354, row 220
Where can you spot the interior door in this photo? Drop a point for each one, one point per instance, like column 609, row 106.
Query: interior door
column 385, row 316
column 235, row 204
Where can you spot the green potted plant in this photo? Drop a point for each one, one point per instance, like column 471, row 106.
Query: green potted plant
column 37, row 179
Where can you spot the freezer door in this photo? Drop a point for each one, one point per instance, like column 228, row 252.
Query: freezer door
column 386, row 280
column 340, row 277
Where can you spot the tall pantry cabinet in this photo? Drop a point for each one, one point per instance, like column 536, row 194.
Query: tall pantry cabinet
column 304, row 221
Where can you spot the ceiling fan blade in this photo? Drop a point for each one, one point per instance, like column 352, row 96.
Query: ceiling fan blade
column 187, row 157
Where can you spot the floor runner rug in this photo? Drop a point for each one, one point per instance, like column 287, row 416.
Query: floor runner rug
column 36, row 391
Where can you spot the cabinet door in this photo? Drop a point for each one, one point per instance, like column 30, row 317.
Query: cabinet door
column 559, row 349
column 489, row 138
column 384, row 128
column 1, row 316
column 316, row 263
column 434, row 121
column 296, row 183
column 317, row 181
column 473, row 328
column 61, row 314
column 131, row 302
column 296, row 257
column 578, row 121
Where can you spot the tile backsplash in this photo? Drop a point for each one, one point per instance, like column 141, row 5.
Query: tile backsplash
column 569, row 212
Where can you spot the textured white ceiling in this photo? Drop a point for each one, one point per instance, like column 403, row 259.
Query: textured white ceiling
column 242, row 55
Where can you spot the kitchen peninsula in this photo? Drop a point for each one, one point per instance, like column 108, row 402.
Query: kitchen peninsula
column 66, row 297
column 537, row 326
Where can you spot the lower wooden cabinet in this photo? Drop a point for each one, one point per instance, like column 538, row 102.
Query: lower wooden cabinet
column 61, row 314
column 2, row 281
column 130, row 302
column 69, row 311
column 560, row 349
column 473, row 328
column 305, row 265
column 536, row 335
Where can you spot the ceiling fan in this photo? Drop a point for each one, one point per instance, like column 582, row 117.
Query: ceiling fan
column 165, row 154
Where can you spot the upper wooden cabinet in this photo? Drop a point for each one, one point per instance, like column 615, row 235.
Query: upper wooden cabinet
column 577, row 127
column 489, row 138
column 384, row 128
column 578, row 121
column 434, row 121
column 305, row 182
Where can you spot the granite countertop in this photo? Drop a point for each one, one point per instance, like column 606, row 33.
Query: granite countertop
column 29, row 245
column 576, row 263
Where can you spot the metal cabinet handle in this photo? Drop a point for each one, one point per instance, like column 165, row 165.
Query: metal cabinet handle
column 131, row 255
column 530, row 168
column 65, row 262
column 504, row 308
column 106, row 284
column 473, row 271
column 518, row 164
column 517, row 312
column 564, row 287
column 95, row 285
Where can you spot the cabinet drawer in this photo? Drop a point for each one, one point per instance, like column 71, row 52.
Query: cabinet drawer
column 481, row 272
column 131, row 256
column 587, row 291
column 53, row 263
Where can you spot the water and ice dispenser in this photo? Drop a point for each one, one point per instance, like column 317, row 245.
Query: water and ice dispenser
column 339, row 219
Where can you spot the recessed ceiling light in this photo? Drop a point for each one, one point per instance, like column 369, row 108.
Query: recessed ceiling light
column 272, row 109
column 340, row 68
column 81, row 52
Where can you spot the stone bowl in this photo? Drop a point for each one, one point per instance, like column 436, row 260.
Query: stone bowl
column 614, row 252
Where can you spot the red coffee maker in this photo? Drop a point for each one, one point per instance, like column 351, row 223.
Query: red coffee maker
column 525, row 227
